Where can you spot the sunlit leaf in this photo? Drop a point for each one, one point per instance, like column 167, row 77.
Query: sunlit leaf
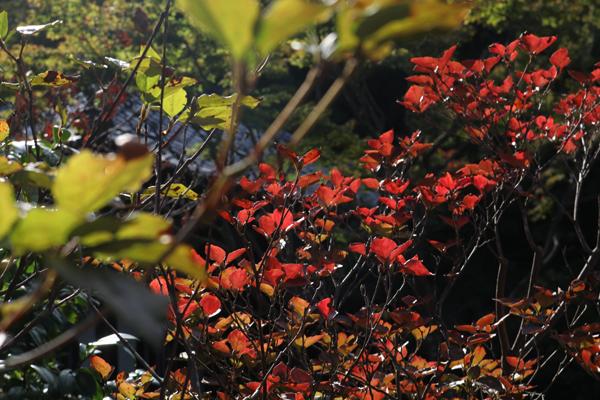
column 89, row 182
column 127, row 389
column 175, row 103
column 31, row 29
column 216, row 111
column 8, row 167
column 4, row 129
column 283, row 18
column 101, row 366
column 173, row 86
column 175, row 190
column 230, row 21
column 86, row 64
column 117, row 62
column 8, row 212
column 42, row 229
column 53, row 78
column 375, row 27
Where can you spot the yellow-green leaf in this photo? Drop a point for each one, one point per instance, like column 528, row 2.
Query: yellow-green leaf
column 37, row 174
column 175, row 190
column 42, row 229
column 8, row 212
column 175, row 103
column 8, row 167
column 89, row 182
column 3, row 24
column 284, row 18
column 230, row 21
column 215, row 111
column 145, row 238
column 174, row 85
column 376, row 26
column 53, row 78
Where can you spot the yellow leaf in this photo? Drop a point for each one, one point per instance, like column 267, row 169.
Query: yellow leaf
column 175, row 190
column 8, row 212
column 4, row 129
column 53, row 78
column 89, row 182
column 9, row 167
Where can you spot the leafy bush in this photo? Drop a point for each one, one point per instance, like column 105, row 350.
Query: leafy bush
column 316, row 290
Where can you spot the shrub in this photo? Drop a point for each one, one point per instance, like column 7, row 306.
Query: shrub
column 318, row 292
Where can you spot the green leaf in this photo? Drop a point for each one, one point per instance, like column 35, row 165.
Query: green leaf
column 215, row 111
column 175, row 190
column 175, row 103
column 8, row 167
column 87, row 384
column 8, row 212
column 144, row 238
column 230, row 21
column 53, row 78
column 89, row 182
column 150, row 53
column 86, row 64
column 10, row 85
column 145, row 83
column 150, row 66
column 62, row 112
column 3, row 23
column 284, row 18
column 173, row 86
column 42, row 229
column 37, row 174
column 31, row 29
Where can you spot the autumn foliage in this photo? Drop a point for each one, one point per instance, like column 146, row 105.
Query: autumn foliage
column 330, row 286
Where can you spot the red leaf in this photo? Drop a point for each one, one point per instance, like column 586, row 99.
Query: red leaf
column 266, row 170
column 358, row 248
column 371, row 183
column 197, row 258
column 311, row 156
column 387, row 137
column 383, row 247
column 233, row 255
column 239, row 279
column 215, row 253
column 447, row 181
column 414, row 266
column 470, row 201
column 578, row 76
column 287, row 153
column 237, row 340
column 159, row 286
column 559, row 59
column 326, row 310
column 210, row 304
column 274, row 276
column 292, row 270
